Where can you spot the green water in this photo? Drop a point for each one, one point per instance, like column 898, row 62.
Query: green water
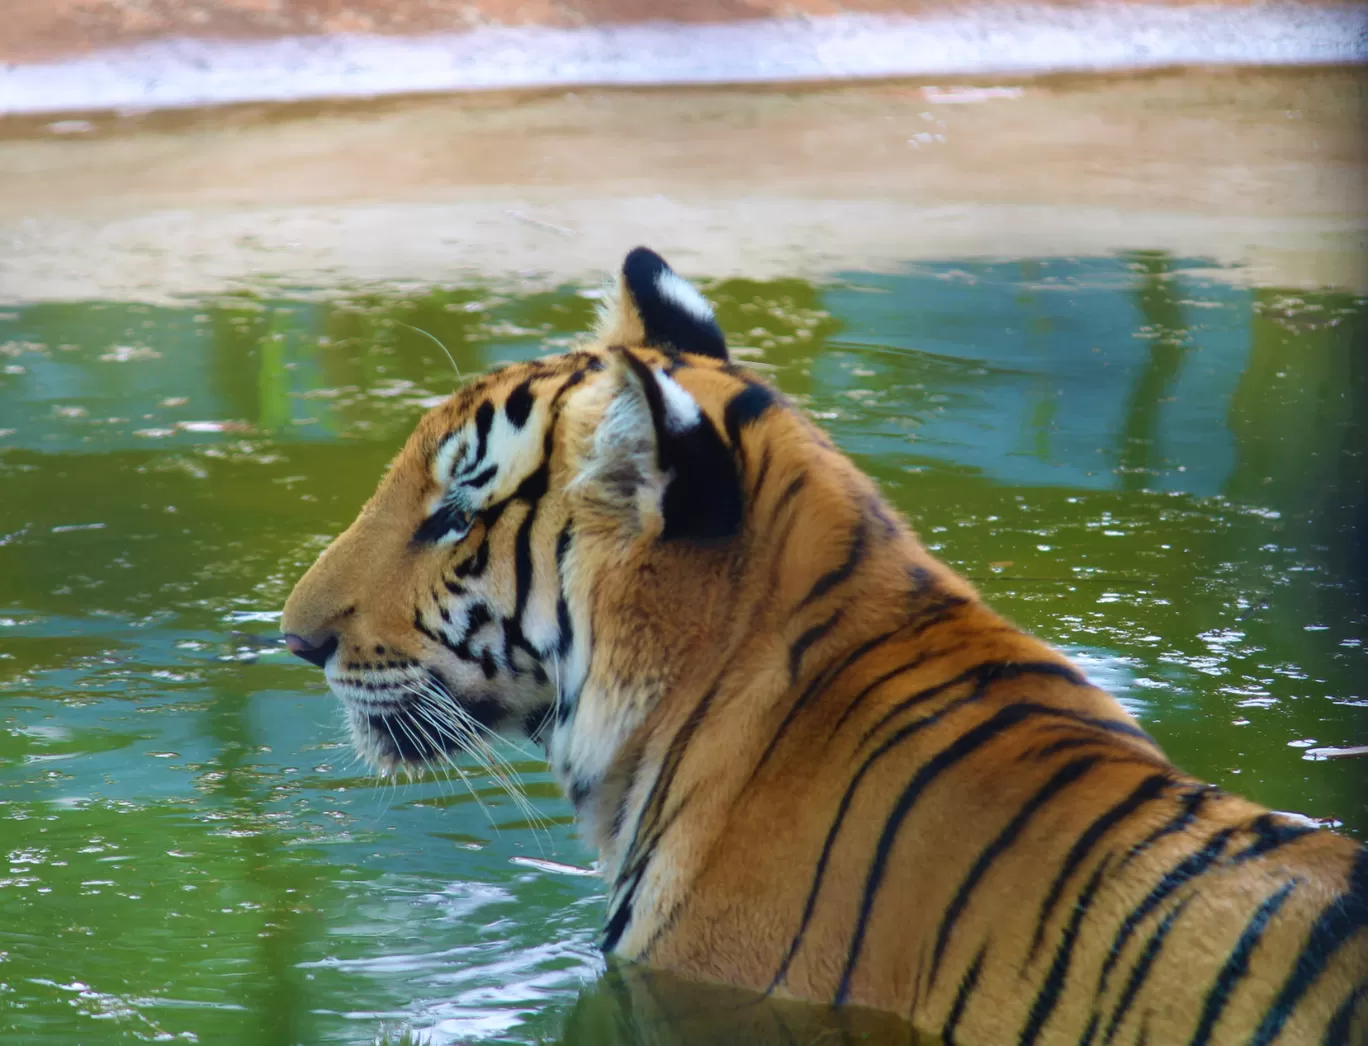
column 1133, row 456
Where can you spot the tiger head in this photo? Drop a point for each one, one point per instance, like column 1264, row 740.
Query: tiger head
column 555, row 547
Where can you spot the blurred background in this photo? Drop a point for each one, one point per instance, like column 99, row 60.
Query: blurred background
column 1085, row 287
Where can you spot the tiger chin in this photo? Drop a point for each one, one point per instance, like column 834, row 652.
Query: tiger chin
column 814, row 763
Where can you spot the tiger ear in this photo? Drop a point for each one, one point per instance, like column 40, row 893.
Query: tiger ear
column 656, row 461
column 659, row 309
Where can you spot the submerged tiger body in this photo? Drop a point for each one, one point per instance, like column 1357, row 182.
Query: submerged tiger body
column 813, row 762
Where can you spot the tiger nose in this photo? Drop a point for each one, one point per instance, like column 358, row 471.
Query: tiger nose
column 315, row 655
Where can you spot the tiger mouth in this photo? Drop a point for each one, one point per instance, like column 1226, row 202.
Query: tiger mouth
column 419, row 725
column 405, row 735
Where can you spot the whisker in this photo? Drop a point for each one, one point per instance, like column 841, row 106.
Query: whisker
column 498, row 766
column 446, row 716
column 434, row 337
column 445, row 756
column 390, row 778
column 456, row 730
column 446, row 730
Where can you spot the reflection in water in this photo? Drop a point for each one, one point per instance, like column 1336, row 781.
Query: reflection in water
column 1300, row 420
column 273, row 994
column 1162, row 472
column 635, row 1006
column 1156, row 299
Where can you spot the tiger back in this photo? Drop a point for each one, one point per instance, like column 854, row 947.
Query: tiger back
column 813, row 762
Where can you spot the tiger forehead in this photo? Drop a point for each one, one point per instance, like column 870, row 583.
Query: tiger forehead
column 494, row 423
column 490, row 424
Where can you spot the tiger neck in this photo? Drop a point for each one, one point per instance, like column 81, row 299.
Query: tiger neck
column 681, row 758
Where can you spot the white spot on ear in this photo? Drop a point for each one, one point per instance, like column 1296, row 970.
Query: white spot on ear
column 681, row 409
column 679, row 291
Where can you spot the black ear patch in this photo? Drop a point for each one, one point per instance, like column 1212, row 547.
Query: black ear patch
column 674, row 314
column 703, row 501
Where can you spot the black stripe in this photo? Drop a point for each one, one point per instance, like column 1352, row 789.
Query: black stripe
column 892, row 673
column 984, row 674
column 664, row 924
column 855, row 553
column 1273, row 832
column 803, row 642
column 436, row 637
column 522, row 562
column 760, row 474
column 642, row 847
column 818, row 684
column 1340, row 920
column 441, row 446
column 475, row 564
column 655, row 403
column 1141, row 970
column 1090, row 1032
column 930, row 612
column 475, row 482
column 920, row 697
column 1053, row 987
column 477, row 616
column 1006, row 718
column 518, row 406
column 846, row 799
column 879, row 511
column 1192, row 802
column 491, row 514
column 563, row 625
column 1191, row 866
column 964, row 745
column 790, row 492
column 484, row 419
column 577, row 376
column 444, row 520
column 620, row 809
column 1146, row 791
column 618, row 919
column 563, row 545
column 1337, row 1031
column 966, row 989
column 1236, row 966
column 1063, row 777
column 745, row 408
column 531, row 490
column 1062, row 745
column 621, row 916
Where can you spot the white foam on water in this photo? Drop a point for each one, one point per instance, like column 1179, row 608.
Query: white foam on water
column 993, row 40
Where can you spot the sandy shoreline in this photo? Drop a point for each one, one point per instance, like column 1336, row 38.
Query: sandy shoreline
column 1266, row 170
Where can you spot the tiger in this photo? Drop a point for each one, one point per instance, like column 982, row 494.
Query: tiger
column 813, row 762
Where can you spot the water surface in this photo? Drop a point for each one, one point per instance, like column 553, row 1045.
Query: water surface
column 1134, row 456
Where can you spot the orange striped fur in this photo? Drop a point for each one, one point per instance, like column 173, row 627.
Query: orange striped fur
column 813, row 762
